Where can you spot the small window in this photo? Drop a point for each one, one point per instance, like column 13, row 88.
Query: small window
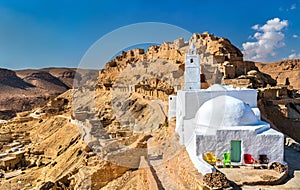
column 191, row 60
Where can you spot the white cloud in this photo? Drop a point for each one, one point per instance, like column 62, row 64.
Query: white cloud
column 287, row 9
column 255, row 27
column 294, row 55
column 293, row 7
column 295, row 36
column 269, row 37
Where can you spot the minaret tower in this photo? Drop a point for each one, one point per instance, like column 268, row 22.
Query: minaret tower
column 192, row 69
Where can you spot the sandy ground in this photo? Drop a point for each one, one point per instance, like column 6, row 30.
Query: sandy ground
column 292, row 157
column 249, row 175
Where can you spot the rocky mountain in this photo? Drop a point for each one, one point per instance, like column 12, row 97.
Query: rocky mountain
column 23, row 90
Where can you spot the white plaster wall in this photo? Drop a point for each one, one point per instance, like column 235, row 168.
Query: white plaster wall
column 202, row 166
column 192, row 72
column 275, row 145
column 179, row 117
column 256, row 111
column 188, row 131
column 172, row 107
column 269, row 142
column 192, row 100
column 192, row 75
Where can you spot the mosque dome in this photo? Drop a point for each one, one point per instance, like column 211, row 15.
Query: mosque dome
column 225, row 111
column 217, row 87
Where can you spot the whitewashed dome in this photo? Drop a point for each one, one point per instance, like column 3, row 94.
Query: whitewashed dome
column 225, row 111
column 217, row 87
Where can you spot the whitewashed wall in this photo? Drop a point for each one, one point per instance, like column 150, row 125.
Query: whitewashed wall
column 172, row 106
column 193, row 100
column 202, row 166
column 269, row 142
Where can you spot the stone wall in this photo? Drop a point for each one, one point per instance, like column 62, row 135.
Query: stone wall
column 273, row 92
column 237, row 82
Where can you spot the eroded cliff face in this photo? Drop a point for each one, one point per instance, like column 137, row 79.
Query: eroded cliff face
column 221, row 62
column 218, row 56
column 221, row 48
column 285, row 72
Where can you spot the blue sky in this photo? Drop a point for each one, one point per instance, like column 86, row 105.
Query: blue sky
column 48, row 33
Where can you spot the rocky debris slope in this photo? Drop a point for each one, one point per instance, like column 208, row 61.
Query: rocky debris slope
column 57, row 157
column 216, row 180
column 278, row 167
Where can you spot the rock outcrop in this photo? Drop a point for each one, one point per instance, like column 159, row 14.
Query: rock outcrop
column 285, row 72
column 218, row 57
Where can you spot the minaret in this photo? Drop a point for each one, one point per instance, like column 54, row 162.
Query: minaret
column 192, row 69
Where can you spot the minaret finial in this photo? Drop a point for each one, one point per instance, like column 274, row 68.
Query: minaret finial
column 192, row 49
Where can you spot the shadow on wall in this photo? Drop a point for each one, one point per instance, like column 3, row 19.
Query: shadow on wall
column 288, row 127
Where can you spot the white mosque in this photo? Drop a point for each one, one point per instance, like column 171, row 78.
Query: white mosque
column 220, row 119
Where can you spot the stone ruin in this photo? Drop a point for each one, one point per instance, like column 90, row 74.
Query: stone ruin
column 219, row 57
column 220, row 60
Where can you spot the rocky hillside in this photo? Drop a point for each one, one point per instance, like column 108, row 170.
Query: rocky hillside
column 220, row 61
column 116, row 135
column 158, row 72
column 285, row 72
column 58, row 156
column 23, row 90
